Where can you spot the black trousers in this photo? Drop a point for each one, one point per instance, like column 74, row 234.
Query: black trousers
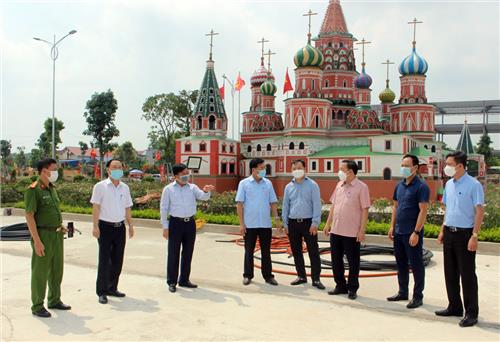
column 339, row 246
column 460, row 263
column 181, row 234
column 298, row 232
column 405, row 253
column 111, row 248
column 264, row 235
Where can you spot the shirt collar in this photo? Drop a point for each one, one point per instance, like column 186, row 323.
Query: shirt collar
column 108, row 182
column 305, row 179
column 414, row 180
column 461, row 179
column 353, row 183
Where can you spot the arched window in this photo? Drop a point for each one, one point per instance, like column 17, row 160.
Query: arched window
column 211, row 123
column 268, row 147
column 249, row 148
column 387, row 173
column 316, row 121
column 187, row 147
column 269, row 169
column 291, row 146
column 199, row 124
column 231, row 148
column 203, row 147
column 301, row 145
column 259, row 148
column 345, row 84
column 327, row 84
column 223, row 148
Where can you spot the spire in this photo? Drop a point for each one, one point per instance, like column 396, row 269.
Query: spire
column 262, row 42
column 465, row 142
column 309, row 14
column 414, row 23
column 211, row 34
column 334, row 21
column 387, row 63
column 269, row 54
column 363, row 42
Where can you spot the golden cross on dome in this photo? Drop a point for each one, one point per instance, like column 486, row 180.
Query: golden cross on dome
column 268, row 54
column 387, row 62
column 363, row 42
column 309, row 14
column 414, row 23
column 211, row 34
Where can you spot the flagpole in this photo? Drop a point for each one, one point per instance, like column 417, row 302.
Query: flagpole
column 239, row 114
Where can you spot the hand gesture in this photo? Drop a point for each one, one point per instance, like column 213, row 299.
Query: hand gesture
column 208, row 188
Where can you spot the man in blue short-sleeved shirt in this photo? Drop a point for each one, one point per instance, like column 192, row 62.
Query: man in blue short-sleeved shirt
column 255, row 201
column 411, row 200
column 464, row 199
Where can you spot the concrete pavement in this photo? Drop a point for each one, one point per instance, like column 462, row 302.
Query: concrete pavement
column 222, row 308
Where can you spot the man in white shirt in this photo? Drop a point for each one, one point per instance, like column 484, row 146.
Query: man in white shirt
column 111, row 206
column 177, row 209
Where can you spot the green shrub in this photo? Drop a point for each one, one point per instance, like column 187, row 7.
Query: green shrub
column 9, row 194
column 148, row 179
column 78, row 178
column 492, row 207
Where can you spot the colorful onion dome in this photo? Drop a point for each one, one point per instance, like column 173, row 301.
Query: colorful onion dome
column 268, row 87
column 260, row 75
column 413, row 64
column 387, row 95
column 363, row 80
column 308, row 56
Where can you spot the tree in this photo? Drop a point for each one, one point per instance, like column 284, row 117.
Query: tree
column 100, row 115
column 83, row 148
column 160, row 110
column 183, row 109
column 484, row 147
column 20, row 158
column 35, row 157
column 5, row 148
column 126, row 153
column 44, row 142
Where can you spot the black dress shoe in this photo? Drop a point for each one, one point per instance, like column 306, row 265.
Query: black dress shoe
column 116, row 293
column 447, row 312
column 172, row 288
column 415, row 303
column 352, row 295
column 468, row 321
column 337, row 290
column 42, row 313
column 299, row 281
column 272, row 281
column 246, row 281
column 60, row 306
column 188, row 284
column 103, row 299
column 317, row 284
column 397, row 297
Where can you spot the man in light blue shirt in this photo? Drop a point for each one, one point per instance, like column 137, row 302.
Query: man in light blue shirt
column 255, row 200
column 301, row 215
column 177, row 210
column 464, row 199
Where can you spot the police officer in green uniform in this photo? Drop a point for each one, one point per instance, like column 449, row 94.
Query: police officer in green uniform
column 43, row 216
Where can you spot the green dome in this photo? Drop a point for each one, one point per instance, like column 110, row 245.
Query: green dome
column 387, row 95
column 268, row 88
column 308, row 56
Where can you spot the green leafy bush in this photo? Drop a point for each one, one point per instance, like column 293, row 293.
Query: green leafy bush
column 78, row 178
column 148, row 179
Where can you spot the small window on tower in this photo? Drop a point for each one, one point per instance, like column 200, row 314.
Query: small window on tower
column 268, row 147
column 291, row 146
column 231, row 168
column 301, row 145
column 312, row 84
column 316, row 121
column 211, row 91
column 211, row 122
column 345, row 84
column 231, row 148
column 329, row 165
column 327, row 84
column 223, row 168
column 203, row 147
column 360, row 165
column 388, row 144
column 249, row 148
column 314, row 166
column 223, row 148
column 212, row 108
column 259, row 148
column 187, row 147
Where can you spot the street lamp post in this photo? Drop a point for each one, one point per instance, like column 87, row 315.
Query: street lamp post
column 54, row 53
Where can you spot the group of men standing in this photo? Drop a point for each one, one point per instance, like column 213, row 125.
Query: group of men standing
column 257, row 205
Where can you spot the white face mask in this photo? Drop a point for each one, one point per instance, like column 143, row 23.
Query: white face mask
column 449, row 171
column 298, row 174
column 342, row 175
column 53, row 176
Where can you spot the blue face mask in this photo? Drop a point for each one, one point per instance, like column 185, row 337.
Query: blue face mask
column 184, row 178
column 262, row 173
column 405, row 172
column 116, row 174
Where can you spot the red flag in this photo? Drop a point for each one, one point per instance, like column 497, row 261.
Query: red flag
column 288, row 85
column 239, row 83
column 221, row 91
column 158, row 155
column 93, row 153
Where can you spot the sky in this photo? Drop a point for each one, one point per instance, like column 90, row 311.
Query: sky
column 142, row 48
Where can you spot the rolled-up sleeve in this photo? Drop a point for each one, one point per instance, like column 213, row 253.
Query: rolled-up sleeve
column 200, row 194
column 286, row 206
column 164, row 208
column 316, row 202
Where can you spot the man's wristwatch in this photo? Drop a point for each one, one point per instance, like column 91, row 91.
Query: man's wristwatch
column 475, row 235
column 417, row 232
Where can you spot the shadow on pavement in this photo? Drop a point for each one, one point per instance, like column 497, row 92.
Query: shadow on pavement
column 133, row 304
column 67, row 322
column 205, row 294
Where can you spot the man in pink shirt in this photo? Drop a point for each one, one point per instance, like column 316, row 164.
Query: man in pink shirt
column 349, row 213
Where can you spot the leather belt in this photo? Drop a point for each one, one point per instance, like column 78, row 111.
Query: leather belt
column 112, row 224
column 453, row 229
column 185, row 219
column 299, row 220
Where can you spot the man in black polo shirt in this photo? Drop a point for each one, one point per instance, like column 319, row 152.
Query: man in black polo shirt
column 411, row 199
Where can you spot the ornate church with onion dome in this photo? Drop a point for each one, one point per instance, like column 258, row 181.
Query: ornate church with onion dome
column 329, row 118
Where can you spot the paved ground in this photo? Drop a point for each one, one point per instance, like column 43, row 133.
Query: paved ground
column 222, row 308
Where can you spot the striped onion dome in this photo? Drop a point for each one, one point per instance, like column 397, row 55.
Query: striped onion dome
column 260, row 76
column 413, row 64
column 387, row 95
column 268, row 87
column 363, row 80
column 308, row 56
